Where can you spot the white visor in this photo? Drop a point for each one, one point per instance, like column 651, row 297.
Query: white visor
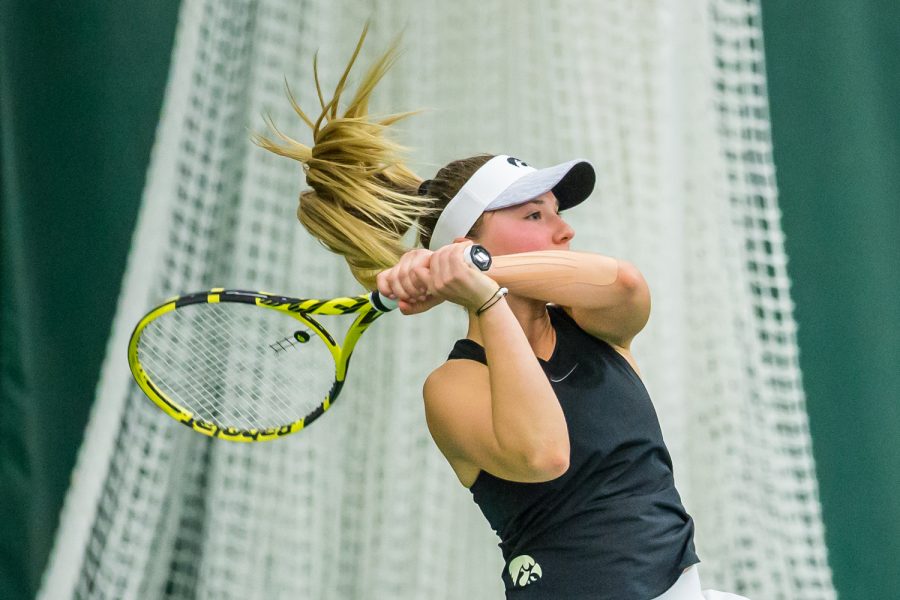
column 504, row 181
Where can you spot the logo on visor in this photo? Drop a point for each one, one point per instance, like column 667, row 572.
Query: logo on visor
column 516, row 162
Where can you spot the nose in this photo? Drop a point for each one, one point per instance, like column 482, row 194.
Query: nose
column 564, row 232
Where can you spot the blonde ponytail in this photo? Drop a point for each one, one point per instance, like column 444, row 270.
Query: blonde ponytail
column 363, row 198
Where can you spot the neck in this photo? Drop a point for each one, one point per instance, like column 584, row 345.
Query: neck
column 535, row 322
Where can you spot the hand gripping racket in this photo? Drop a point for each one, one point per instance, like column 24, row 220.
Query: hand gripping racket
column 250, row 366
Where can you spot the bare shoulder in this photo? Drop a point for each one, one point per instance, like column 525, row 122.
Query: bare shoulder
column 449, row 372
column 449, row 386
column 459, row 410
column 457, row 404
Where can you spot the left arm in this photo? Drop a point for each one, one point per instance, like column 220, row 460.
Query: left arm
column 608, row 298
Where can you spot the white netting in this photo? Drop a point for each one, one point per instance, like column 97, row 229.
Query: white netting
column 669, row 101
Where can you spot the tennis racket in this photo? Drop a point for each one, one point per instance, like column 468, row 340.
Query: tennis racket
column 250, row 366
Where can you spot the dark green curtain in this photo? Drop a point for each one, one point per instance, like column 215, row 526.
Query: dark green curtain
column 81, row 85
column 80, row 90
column 834, row 87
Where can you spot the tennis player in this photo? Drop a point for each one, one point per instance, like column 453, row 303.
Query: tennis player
column 539, row 409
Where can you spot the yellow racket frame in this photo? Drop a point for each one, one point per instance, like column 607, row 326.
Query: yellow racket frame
column 366, row 306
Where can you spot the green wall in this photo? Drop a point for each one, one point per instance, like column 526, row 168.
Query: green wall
column 81, row 85
column 80, row 91
column 834, row 87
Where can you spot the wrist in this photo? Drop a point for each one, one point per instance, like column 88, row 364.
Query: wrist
column 479, row 291
column 494, row 299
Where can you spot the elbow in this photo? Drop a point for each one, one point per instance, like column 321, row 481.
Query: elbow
column 543, row 458
column 629, row 279
column 636, row 295
column 549, row 463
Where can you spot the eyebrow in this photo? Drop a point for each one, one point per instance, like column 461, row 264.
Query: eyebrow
column 539, row 202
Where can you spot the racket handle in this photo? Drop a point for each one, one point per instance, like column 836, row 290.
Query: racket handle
column 475, row 256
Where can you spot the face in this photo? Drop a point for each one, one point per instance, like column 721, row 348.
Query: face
column 535, row 225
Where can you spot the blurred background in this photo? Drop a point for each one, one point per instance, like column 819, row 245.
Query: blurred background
column 81, row 86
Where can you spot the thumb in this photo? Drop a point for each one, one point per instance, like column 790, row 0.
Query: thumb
column 415, row 308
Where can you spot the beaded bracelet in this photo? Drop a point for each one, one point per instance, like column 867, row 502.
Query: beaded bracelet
column 500, row 293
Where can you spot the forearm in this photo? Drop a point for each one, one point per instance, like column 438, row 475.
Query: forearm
column 527, row 418
column 574, row 279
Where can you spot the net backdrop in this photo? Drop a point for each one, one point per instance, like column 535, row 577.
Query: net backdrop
column 669, row 101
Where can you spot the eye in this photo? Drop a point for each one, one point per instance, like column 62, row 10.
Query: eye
column 535, row 216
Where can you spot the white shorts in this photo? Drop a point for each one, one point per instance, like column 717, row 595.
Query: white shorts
column 688, row 588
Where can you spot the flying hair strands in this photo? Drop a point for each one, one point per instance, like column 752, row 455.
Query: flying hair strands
column 363, row 198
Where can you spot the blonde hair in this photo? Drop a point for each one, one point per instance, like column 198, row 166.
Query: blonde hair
column 363, row 198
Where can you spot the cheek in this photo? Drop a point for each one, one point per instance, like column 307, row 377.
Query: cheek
column 512, row 238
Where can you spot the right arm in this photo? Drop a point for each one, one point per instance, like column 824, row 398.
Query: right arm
column 505, row 419
column 607, row 297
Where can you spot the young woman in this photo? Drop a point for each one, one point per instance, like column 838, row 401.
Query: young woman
column 539, row 409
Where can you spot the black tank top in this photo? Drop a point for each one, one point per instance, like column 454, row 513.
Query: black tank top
column 613, row 526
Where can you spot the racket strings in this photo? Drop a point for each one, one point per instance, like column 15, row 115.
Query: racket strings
column 237, row 365
column 219, row 371
column 212, row 385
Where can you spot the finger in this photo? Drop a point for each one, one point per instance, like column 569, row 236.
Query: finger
column 429, row 303
column 382, row 283
column 422, row 257
column 405, row 267
column 458, row 260
column 435, row 271
column 412, row 308
column 421, row 279
column 406, row 308
column 450, row 259
column 415, row 308
column 421, row 272
column 409, row 286
column 397, row 290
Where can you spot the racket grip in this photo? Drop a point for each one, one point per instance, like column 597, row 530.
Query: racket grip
column 476, row 256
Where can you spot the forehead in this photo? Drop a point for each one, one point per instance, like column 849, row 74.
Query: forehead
column 545, row 199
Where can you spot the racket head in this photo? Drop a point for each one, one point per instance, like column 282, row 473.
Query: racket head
column 241, row 365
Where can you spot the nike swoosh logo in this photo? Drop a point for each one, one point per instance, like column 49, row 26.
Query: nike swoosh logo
column 558, row 379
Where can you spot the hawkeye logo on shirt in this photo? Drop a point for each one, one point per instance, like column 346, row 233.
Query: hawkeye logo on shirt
column 524, row 570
